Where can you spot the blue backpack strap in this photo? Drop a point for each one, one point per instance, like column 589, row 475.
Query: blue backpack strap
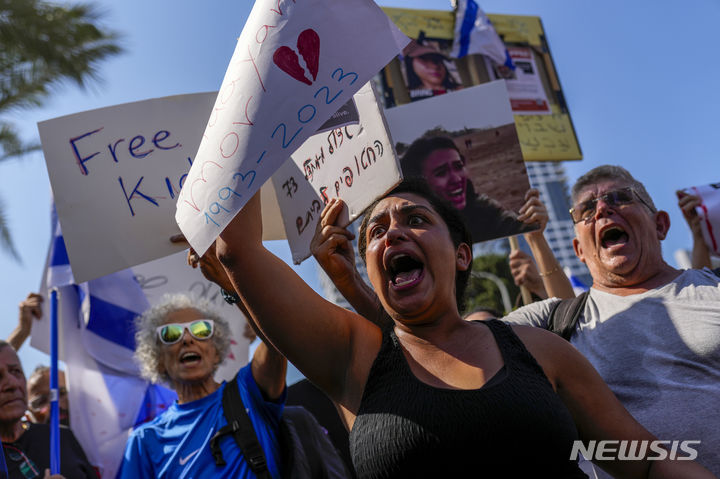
column 564, row 315
column 242, row 430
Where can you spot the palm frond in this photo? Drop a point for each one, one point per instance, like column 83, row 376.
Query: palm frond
column 6, row 241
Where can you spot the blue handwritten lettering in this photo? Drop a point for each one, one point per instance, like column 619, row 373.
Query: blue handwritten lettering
column 136, row 143
column 161, row 136
column 113, row 147
column 134, row 191
column 80, row 159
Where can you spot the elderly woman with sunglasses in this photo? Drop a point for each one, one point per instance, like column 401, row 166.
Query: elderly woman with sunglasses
column 181, row 342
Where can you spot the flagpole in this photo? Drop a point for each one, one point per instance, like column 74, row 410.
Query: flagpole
column 54, row 396
column 3, row 465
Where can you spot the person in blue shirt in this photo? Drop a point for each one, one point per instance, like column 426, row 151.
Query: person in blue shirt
column 181, row 342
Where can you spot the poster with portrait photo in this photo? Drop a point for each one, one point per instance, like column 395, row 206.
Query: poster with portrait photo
column 466, row 146
column 428, row 69
column 524, row 85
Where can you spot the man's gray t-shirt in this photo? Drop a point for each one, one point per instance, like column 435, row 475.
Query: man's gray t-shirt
column 659, row 352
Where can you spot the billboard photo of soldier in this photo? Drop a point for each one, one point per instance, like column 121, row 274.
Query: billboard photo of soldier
column 465, row 145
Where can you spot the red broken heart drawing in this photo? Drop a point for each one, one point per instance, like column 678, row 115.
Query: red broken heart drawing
column 308, row 44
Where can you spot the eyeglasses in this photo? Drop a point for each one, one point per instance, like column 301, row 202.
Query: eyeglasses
column 44, row 399
column 201, row 329
column 585, row 211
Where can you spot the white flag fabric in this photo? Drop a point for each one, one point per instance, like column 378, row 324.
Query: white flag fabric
column 475, row 34
column 107, row 396
column 295, row 64
column 104, row 402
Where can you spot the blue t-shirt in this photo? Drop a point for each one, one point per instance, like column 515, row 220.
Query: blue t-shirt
column 176, row 444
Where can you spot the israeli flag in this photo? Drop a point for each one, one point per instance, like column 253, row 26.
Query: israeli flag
column 58, row 267
column 475, row 34
column 107, row 396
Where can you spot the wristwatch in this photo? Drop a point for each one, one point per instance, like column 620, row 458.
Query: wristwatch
column 230, row 298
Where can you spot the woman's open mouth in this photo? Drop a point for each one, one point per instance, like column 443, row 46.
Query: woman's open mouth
column 405, row 271
column 190, row 358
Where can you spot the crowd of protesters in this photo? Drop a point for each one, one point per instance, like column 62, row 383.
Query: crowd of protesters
column 421, row 388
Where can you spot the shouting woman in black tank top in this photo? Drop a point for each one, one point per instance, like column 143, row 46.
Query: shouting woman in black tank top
column 430, row 395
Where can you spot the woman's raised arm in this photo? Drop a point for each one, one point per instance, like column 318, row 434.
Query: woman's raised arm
column 332, row 346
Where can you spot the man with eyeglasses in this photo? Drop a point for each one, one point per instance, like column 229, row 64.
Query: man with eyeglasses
column 651, row 331
column 39, row 396
column 26, row 446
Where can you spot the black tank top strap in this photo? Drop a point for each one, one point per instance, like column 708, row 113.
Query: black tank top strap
column 514, row 352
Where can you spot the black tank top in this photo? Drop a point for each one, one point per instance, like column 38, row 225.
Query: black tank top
column 513, row 426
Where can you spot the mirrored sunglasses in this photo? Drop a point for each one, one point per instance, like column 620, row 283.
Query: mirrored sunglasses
column 585, row 210
column 201, row 329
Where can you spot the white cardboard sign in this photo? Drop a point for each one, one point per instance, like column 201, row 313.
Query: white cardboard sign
column 116, row 173
column 294, row 65
column 355, row 162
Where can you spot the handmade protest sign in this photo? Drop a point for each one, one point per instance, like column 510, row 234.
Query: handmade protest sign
column 116, row 173
column 355, row 162
column 466, row 146
column 294, row 65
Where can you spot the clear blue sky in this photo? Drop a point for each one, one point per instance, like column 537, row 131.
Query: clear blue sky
column 640, row 79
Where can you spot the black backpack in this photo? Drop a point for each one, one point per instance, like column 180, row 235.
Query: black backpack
column 564, row 314
column 305, row 450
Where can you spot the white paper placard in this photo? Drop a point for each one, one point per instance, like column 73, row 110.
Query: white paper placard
column 356, row 163
column 116, row 173
column 294, row 65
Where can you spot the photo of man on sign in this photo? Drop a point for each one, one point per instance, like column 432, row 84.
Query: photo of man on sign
column 472, row 160
column 439, row 159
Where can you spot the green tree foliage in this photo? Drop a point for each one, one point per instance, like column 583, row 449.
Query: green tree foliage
column 484, row 292
column 42, row 46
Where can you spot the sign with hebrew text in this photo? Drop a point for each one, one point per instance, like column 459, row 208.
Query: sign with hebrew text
column 116, row 173
column 355, row 162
